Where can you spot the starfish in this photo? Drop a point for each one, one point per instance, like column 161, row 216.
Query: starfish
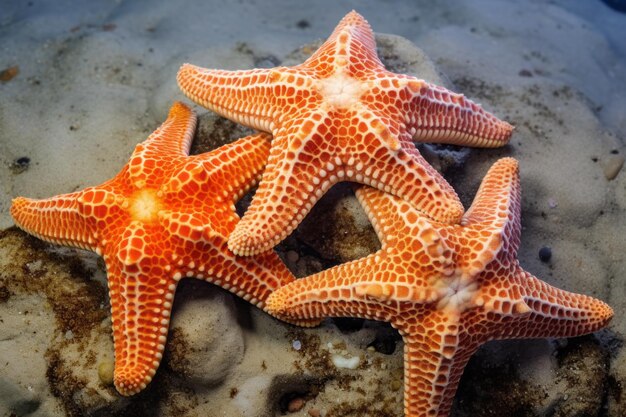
column 446, row 288
column 341, row 116
column 166, row 215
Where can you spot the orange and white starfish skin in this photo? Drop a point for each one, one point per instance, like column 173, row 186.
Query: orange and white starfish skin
column 165, row 216
column 446, row 288
column 341, row 116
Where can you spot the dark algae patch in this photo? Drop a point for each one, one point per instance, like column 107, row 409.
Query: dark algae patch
column 66, row 288
column 499, row 386
column 63, row 280
column 63, row 383
column 176, row 353
column 317, row 371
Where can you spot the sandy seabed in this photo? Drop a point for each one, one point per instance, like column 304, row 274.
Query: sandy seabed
column 81, row 83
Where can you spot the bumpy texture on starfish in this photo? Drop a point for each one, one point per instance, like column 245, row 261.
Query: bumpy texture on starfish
column 341, row 116
column 446, row 288
column 165, row 216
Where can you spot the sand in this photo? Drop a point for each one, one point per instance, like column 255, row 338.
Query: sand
column 94, row 79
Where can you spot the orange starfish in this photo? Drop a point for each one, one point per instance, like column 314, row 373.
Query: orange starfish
column 165, row 216
column 446, row 288
column 341, row 116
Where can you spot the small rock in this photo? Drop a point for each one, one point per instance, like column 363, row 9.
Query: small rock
column 396, row 384
column 552, row 203
column 314, row 412
column 34, row 266
column 292, row 258
column 545, row 254
column 205, row 339
column 346, row 363
column 105, row 372
column 613, row 166
column 296, row 344
column 296, row 404
column 20, row 164
column 8, row 74
column 303, row 24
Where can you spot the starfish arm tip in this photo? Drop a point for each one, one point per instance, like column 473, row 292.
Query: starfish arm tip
column 129, row 381
column 241, row 244
column 185, row 77
column 179, row 109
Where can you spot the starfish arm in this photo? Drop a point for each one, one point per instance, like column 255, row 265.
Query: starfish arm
column 141, row 290
column 140, row 311
column 238, row 166
column 172, row 139
column 409, row 176
column 351, row 45
column 553, row 312
column 224, row 174
column 436, row 350
column 438, row 115
column 293, row 181
column 360, row 288
column 492, row 223
column 330, row 293
column 255, row 278
column 245, row 96
column 58, row 220
column 397, row 223
column 392, row 164
column 205, row 255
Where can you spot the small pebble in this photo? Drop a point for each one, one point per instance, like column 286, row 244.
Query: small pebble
column 34, row 266
column 303, row 24
column 314, row 412
column 296, row 344
column 292, row 257
column 105, row 372
column 545, row 254
column 613, row 166
column 525, row 73
column 346, row 363
column 296, row 404
column 396, row 385
column 8, row 74
column 20, row 164
column 69, row 335
column 552, row 203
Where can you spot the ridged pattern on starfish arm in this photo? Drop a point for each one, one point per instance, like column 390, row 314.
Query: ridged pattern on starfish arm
column 341, row 116
column 165, row 216
column 57, row 220
column 435, row 114
column 446, row 288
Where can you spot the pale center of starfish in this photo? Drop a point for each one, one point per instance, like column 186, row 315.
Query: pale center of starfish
column 340, row 90
column 457, row 293
column 145, row 205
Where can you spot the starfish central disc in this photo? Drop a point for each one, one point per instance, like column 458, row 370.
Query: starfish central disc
column 341, row 91
column 145, row 205
column 458, row 293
